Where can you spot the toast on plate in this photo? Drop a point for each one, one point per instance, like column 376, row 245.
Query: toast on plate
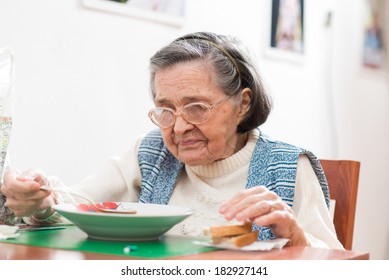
column 239, row 235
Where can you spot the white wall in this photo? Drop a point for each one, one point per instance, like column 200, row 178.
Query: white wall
column 82, row 89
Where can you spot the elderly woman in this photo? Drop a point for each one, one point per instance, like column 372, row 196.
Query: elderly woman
column 208, row 153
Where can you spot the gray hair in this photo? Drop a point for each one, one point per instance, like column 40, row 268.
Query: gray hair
column 234, row 70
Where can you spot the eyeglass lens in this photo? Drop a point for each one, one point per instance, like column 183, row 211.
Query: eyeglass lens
column 195, row 113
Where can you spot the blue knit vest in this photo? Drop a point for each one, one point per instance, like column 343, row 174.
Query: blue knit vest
column 273, row 165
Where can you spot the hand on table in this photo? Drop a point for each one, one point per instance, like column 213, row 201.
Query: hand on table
column 265, row 208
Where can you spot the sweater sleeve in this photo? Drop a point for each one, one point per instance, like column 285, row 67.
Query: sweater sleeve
column 118, row 179
column 317, row 221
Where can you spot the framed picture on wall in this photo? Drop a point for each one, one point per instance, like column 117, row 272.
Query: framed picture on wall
column 287, row 30
column 373, row 55
column 170, row 12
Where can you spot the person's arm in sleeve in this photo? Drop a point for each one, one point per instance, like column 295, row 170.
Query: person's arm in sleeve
column 117, row 180
column 311, row 210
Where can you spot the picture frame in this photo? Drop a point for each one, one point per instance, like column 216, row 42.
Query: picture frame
column 286, row 36
column 374, row 32
column 168, row 12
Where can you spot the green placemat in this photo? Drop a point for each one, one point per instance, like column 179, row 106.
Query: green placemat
column 72, row 238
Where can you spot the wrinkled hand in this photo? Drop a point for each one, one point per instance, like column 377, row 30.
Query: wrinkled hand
column 23, row 195
column 265, row 208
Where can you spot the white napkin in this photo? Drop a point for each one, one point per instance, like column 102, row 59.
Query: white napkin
column 256, row 246
column 7, row 232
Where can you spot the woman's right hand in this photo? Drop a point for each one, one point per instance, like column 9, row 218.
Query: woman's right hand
column 23, row 194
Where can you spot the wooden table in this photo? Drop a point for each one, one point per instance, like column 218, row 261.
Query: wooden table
column 70, row 242
column 25, row 252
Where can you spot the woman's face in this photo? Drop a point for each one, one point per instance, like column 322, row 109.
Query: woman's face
column 200, row 144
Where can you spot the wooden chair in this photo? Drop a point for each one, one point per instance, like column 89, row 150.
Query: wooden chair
column 342, row 177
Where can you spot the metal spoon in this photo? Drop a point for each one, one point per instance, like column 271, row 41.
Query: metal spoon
column 90, row 202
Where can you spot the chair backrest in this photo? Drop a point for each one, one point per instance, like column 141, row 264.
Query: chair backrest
column 342, row 177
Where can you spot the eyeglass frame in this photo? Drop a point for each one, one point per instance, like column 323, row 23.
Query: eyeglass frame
column 175, row 113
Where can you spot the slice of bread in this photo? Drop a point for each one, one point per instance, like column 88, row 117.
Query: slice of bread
column 237, row 235
column 228, row 230
column 239, row 240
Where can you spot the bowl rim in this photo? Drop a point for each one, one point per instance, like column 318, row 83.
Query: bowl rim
column 185, row 211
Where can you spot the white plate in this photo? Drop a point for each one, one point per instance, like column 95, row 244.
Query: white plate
column 149, row 223
column 256, row 246
column 8, row 232
column 8, row 236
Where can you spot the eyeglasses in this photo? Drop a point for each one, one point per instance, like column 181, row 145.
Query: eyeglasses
column 194, row 113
